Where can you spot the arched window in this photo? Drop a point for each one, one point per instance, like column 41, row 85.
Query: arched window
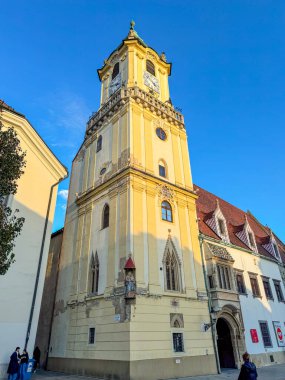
column 116, row 70
column 99, row 144
column 166, row 211
column 150, row 67
column 162, row 169
column 172, row 271
column 94, row 274
column 105, row 216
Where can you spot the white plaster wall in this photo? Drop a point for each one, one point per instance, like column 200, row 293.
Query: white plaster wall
column 259, row 309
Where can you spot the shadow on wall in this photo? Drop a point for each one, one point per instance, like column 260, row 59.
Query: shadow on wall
column 17, row 286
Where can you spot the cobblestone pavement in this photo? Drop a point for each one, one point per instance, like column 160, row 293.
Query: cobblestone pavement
column 274, row 372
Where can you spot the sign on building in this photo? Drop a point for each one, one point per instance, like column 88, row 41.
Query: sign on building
column 278, row 328
column 254, row 336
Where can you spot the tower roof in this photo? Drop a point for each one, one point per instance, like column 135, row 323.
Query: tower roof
column 133, row 36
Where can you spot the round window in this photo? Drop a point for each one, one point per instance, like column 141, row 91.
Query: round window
column 160, row 133
column 102, row 171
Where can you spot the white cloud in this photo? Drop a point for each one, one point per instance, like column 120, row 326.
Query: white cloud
column 63, row 207
column 63, row 194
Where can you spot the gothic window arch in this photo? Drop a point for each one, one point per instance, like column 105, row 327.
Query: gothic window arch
column 94, row 274
column 116, row 70
column 172, row 272
column 150, row 67
column 166, row 211
column 99, row 144
column 105, row 216
column 162, row 168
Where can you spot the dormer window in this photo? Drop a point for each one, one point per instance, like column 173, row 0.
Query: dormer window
column 150, row 67
column 276, row 252
column 116, row 70
column 251, row 239
column 222, row 228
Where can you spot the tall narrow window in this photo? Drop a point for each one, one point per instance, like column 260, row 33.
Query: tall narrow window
column 222, row 226
column 162, row 169
column 267, row 288
column 251, row 240
column 91, row 339
column 99, row 144
column 276, row 252
column 172, row 271
column 115, row 70
column 224, row 277
column 94, row 268
column 278, row 290
column 265, row 334
column 105, row 216
column 178, row 345
column 254, row 286
column 166, row 211
column 150, row 67
column 240, row 283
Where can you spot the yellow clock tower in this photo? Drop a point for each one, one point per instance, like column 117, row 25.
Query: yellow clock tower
column 131, row 300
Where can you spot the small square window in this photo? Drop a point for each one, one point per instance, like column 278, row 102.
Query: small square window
column 178, row 344
column 91, row 335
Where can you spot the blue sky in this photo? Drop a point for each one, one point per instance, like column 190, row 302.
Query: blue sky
column 228, row 77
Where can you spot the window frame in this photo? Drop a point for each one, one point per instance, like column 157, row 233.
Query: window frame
column 172, row 272
column 221, row 223
column 105, row 223
column 173, row 335
column 161, row 134
column 93, row 335
column 99, row 144
column 244, row 292
column 254, row 277
column 150, row 67
column 280, row 295
column 168, row 211
column 94, row 274
column 161, row 165
column 224, row 277
column 263, row 339
column 270, row 295
column 116, row 70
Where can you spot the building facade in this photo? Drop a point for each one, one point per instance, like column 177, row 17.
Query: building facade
column 21, row 287
column 244, row 264
column 131, row 300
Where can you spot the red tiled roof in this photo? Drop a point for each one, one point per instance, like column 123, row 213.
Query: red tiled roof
column 9, row 108
column 235, row 219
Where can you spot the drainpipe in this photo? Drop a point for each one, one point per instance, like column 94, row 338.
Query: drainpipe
column 40, row 262
column 209, row 305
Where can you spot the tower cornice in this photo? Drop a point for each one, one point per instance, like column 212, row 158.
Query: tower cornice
column 124, row 95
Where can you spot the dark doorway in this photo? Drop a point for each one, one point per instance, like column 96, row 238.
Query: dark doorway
column 225, row 347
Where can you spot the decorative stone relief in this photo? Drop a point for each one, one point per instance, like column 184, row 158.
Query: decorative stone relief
column 176, row 318
column 165, row 193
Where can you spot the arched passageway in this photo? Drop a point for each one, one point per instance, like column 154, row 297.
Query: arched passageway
column 224, row 343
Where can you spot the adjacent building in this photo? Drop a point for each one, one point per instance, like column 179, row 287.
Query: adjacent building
column 131, row 301
column 244, row 264
column 21, row 287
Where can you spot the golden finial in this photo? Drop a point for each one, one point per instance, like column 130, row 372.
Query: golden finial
column 132, row 24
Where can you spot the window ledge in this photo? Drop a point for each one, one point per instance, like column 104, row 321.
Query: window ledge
column 243, row 294
column 256, row 296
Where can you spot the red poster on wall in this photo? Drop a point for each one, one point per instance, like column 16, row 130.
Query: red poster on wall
column 254, row 336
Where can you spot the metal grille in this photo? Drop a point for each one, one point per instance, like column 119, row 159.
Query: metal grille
column 178, row 345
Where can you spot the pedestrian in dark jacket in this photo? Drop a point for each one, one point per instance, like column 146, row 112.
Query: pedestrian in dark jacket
column 24, row 363
column 13, row 367
column 36, row 357
column 248, row 369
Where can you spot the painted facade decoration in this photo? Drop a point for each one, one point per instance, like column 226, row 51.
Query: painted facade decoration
column 244, row 280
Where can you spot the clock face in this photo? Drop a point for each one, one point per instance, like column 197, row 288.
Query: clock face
column 115, row 84
column 151, row 81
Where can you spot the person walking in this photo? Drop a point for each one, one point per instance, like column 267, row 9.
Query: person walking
column 14, row 363
column 36, row 357
column 248, row 369
column 24, row 363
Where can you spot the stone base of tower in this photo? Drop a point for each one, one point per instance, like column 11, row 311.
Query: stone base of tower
column 139, row 369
